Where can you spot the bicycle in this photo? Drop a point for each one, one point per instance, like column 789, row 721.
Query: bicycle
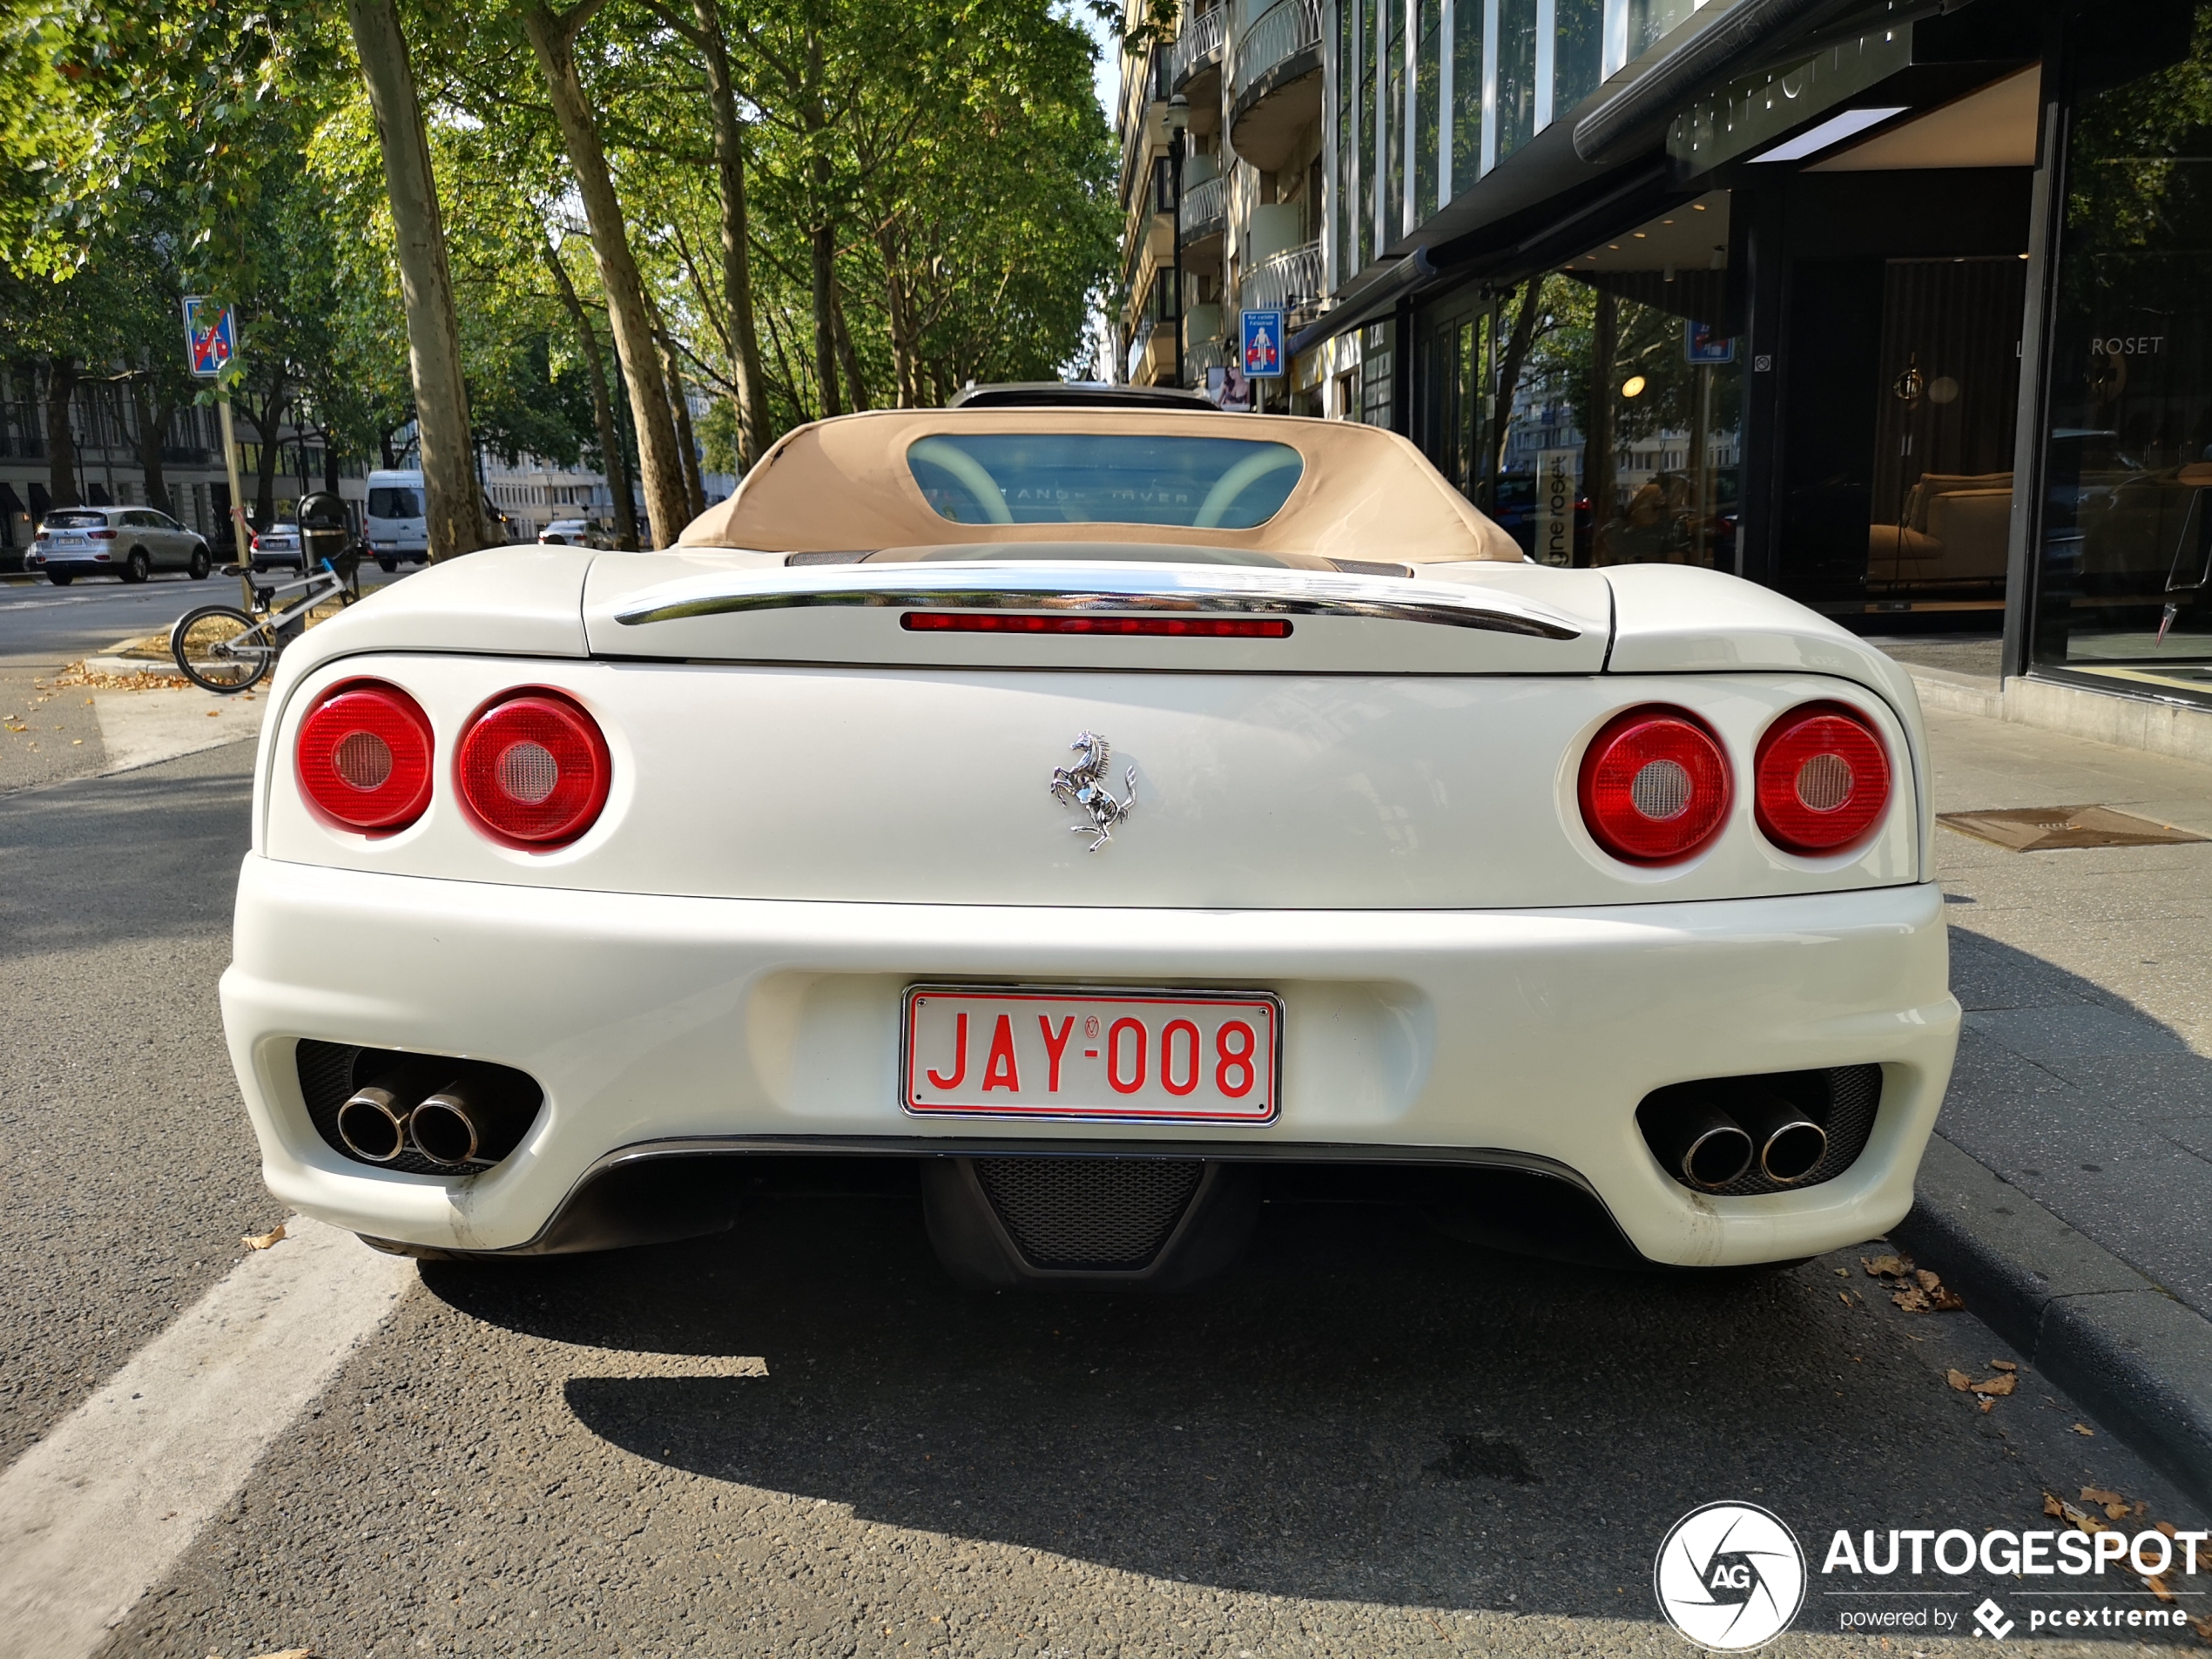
column 221, row 649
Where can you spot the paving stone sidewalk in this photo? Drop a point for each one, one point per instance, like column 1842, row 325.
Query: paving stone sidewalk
column 2085, row 1072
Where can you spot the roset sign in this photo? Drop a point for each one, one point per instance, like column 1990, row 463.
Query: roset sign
column 1730, row 1576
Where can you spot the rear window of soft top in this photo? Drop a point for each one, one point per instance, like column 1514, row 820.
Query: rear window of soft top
column 1091, row 478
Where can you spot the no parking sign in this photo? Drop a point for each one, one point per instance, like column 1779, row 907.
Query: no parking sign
column 211, row 336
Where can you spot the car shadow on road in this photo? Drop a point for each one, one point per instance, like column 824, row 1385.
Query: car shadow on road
column 1362, row 1411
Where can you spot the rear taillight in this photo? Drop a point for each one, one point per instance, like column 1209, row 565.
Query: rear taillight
column 364, row 756
column 1655, row 785
column 534, row 770
column 100, row 536
column 1823, row 779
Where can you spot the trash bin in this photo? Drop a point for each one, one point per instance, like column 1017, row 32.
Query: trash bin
column 327, row 533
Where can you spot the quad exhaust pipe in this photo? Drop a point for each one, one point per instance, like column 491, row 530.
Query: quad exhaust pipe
column 1710, row 1147
column 452, row 1121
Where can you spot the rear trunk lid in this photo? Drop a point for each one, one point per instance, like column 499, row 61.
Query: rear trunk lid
column 983, row 609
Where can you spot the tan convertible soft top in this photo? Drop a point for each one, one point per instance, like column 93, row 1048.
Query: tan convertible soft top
column 843, row 486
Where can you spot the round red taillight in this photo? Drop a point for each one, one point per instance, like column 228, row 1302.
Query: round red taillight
column 364, row 756
column 533, row 769
column 1655, row 785
column 1824, row 779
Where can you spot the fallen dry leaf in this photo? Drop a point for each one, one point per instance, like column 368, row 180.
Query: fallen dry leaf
column 2083, row 1428
column 262, row 1241
column 1959, row 1380
column 1914, row 1300
column 288, row 1653
column 1948, row 1301
column 2003, row 1364
column 1998, row 1385
column 2098, row 1494
column 1844, row 1297
column 1842, row 1272
column 1987, row 1405
column 2165, row 1526
column 1883, row 1267
column 212, row 713
column 1928, row 1281
column 2157, row 1587
column 2053, row 1508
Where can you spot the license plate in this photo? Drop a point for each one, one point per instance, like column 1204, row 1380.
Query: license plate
column 1143, row 1056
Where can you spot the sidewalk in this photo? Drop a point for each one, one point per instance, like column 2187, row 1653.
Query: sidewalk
column 2079, row 1219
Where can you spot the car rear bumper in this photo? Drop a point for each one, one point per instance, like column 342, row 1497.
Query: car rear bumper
column 1501, row 1037
column 74, row 564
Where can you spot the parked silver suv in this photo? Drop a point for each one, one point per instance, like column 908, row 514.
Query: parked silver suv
column 131, row 543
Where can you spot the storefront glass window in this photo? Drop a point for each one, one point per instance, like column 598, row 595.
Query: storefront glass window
column 1394, row 176
column 1467, row 94
column 1577, row 60
column 1427, row 70
column 1344, row 250
column 1370, row 136
column 1651, row 20
column 1623, row 417
column 1516, row 75
column 2124, row 586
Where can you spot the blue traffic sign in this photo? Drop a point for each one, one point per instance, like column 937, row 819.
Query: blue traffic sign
column 211, row 336
column 1263, row 338
column 1700, row 345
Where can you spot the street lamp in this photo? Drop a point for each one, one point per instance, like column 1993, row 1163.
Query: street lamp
column 1178, row 122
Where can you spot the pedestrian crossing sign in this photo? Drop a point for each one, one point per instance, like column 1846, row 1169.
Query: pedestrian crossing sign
column 211, row 336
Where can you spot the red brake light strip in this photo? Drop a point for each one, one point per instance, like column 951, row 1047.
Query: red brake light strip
column 1000, row 622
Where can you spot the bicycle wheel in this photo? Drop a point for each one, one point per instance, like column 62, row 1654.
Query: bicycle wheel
column 221, row 649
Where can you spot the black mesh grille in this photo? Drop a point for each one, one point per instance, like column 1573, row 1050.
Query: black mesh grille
column 1841, row 1099
column 1102, row 1214
column 329, row 1072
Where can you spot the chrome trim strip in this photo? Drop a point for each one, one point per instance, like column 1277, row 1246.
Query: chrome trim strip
column 1098, row 587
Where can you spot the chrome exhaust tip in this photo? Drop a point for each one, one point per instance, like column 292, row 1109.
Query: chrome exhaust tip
column 1790, row 1145
column 1708, row 1147
column 448, row 1127
column 373, row 1124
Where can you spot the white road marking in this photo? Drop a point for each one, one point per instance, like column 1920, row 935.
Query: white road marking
column 97, row 1514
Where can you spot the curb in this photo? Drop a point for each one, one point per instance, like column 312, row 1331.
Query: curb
column 2131, row 1355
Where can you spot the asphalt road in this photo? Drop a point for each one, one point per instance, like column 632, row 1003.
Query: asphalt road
column 1368, row 1441
column 43, row 625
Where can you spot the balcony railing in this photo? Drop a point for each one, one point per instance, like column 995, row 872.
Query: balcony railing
column 1142, row 91
column 1197, row 46
column 1205, row 206
column 1281, row 31
column 1290, row 281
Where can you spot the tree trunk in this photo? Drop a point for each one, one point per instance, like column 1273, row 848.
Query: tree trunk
column 61, row 438
column 267, row 423
column 603, row 415
column 856, row 389
column 687, row 448
column 1597, row 448
column 1509, row 366
column 899, row 320
column 737, row 244
column 454, row 503
column 821, row 243
column 152, row 416
column 553, row 39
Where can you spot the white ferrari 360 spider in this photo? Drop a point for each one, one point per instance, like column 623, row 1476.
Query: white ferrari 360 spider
column 1111, row 816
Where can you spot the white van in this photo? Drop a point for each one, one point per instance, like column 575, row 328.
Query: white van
column 396, row 526
column 393, row 522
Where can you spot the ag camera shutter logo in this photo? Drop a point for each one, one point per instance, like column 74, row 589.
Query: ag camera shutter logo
column 1730, row 1576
